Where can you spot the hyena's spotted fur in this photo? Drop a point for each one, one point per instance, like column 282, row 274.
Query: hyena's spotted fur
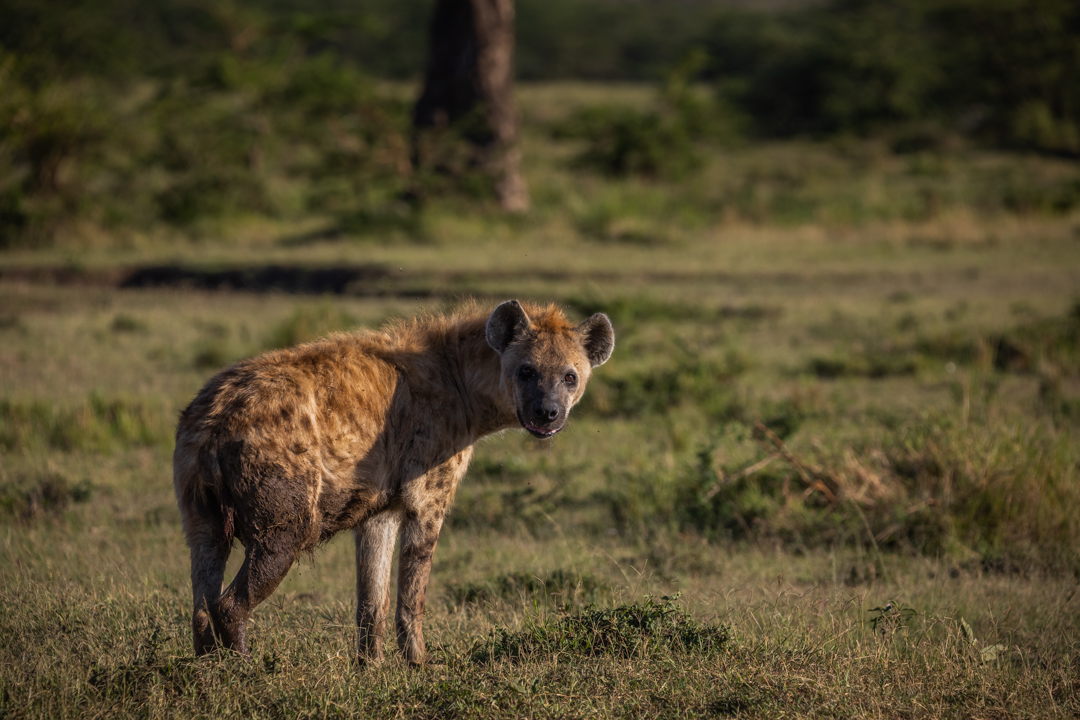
column 370, row 432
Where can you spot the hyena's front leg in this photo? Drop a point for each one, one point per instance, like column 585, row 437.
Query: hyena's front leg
column 375, row 539
column 426, row 501
column 418, row 539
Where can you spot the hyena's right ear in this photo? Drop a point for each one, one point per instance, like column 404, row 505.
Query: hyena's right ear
column 505, row 324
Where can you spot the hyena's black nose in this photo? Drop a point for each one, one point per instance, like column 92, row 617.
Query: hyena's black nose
column 545, row 411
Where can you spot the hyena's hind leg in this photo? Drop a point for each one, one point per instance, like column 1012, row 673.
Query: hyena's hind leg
column 209, row 548
column 266, row 563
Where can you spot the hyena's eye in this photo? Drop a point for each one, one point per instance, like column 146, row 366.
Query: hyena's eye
column 570, row 379
column 526, row 373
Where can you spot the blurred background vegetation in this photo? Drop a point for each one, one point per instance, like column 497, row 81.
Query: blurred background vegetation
column 840, row 244
column 122, row 117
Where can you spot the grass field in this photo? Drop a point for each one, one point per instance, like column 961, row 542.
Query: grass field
column 832, row 469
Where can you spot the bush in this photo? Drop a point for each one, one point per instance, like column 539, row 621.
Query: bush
column 308, row 323
column 862, row 64
column 566, row 589
column 661, row 142
column 623, row 631
column 46, row 135
column 34, row 497
column 916, row 491
column 229, row 136
column 99, row 425
column 1001, row 70
column 691, row 377
column 1014, row 62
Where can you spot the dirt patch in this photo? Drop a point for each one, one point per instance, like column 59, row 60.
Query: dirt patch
column 357, row 280
column 347, row 280
column 370, row 280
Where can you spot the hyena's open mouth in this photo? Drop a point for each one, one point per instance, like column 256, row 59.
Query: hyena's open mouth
column 541, row 433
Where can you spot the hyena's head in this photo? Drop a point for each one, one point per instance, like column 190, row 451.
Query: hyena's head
column 547, row 360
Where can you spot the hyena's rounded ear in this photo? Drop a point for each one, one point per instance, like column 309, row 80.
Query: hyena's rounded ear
column 506, row 322
column 598, row 338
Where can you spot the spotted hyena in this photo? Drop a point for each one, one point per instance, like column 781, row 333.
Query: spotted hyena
column 369, row 432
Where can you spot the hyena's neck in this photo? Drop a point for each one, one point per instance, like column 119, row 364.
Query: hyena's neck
column 477, row 378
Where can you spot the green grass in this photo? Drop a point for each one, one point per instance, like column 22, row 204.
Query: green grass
column 811, row 415
column 114, row 642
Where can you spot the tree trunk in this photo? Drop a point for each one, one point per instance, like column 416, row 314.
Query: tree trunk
column 470, row 71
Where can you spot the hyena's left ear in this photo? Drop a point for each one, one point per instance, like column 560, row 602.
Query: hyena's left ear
column 598, row 338
column 505, row 324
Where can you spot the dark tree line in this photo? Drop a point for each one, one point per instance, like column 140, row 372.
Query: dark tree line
column 1004, row 70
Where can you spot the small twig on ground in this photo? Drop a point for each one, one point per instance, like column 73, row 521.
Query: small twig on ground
column 812, row 484
column 723, row 479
